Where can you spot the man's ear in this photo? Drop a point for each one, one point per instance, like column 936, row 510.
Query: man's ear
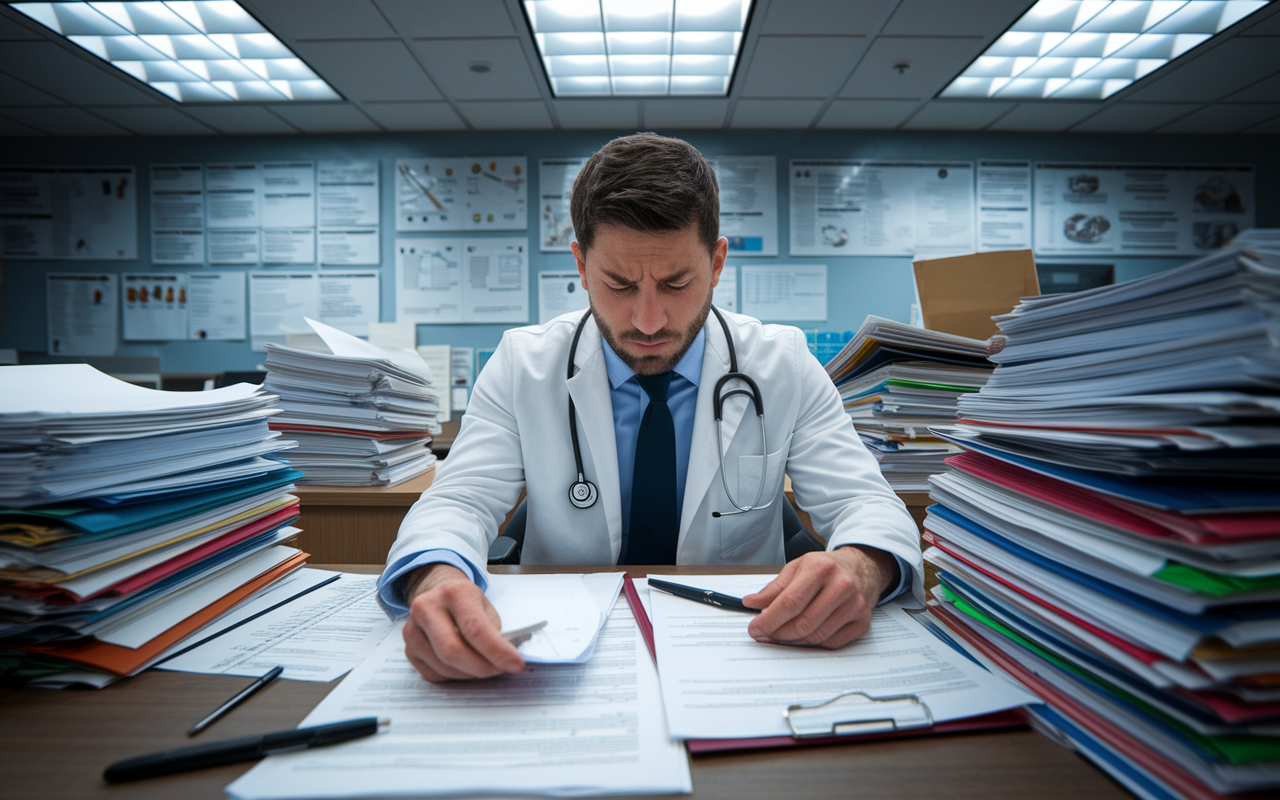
column 580, row 256
column 718, row 256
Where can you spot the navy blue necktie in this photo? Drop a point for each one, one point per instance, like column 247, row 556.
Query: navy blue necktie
column 655, row 520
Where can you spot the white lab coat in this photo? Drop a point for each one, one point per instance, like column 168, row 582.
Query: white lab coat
column 516, row 433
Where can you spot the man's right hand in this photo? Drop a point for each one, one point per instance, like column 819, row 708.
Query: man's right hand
column 453, row 633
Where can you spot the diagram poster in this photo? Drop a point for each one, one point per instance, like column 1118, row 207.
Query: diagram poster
column 748, row 203
column 69, row 213
column 177, row 214
column 83, row 313
column 555, row 187
column 785, row 293
column 216, row 305
column 462, row 194
column 429, row 280
column 1140, row 209
column 154, row 306
column 881, row 208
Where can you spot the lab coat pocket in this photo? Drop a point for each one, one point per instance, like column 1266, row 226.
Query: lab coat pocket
column 741, row 535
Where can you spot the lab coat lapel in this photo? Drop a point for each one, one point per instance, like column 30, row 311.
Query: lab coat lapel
column 704, row 460
column 589, row 389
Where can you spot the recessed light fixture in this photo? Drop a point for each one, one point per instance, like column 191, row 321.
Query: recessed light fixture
column 192, row 51
column 1091, row 49
column 478, row 67
column 594, row 48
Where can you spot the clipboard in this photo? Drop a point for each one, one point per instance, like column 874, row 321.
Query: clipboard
column 853, row 717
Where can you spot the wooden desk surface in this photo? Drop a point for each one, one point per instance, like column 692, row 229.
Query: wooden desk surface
column 55, row 744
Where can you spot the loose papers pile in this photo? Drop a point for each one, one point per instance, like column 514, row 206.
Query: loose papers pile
column 897, row 381
column 361, row 415
column 129, row 518
column 1111, row 536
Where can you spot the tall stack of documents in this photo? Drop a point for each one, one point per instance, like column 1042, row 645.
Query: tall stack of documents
column 1111, row 535
column 896, row 382
column 362, row 415
column 129, row 518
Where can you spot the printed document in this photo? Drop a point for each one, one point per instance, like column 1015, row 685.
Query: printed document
column 719, row 683
column 568, row 730
column 575, row 608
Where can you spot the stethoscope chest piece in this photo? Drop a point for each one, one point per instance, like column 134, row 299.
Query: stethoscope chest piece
column 583, row 494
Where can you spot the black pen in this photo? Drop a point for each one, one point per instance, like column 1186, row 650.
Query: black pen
column 240, row 697
column 702, row 596
column 245, row 748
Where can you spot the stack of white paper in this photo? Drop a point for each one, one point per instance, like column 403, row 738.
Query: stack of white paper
column 896, row 382
column 361, row 415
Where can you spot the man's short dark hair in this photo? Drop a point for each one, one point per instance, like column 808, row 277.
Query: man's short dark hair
column 648, row 183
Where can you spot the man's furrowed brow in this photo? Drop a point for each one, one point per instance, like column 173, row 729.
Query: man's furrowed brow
column 616, row 278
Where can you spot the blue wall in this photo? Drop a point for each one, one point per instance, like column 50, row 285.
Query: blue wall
column 856, row 286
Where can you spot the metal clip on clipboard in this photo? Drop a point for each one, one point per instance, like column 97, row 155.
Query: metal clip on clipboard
column 858, row 713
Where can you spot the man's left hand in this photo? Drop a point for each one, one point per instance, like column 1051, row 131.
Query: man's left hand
column 822, row 599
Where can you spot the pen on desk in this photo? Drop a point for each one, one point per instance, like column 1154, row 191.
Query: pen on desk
column 245, row 748
column 519, row 636
column 702, row 595
column 240, row 697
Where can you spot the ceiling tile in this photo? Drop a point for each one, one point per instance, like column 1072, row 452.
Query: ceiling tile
column 1270, row 126
column 774, row 113
column 10, row 127
column 798, row 66
column 1266, row 90
column 12, row 30
column 71, row 77
column 445, row 18
column 324, row 19
column 1048, row 116
column 14, row 92
column 1135, row 117
column 950, row 18
column 957, row 116
column 1223, row 118
column 933, row 62
column 414, row 116
column 821, row 17
column 241, row 119
column 505, row 116
column 1267, row 25
column 64, row 122
column 685, row 113
column 508, row 78
column 1229, row 67
column 597, row 114
column 867, row 113
column 325, row 118
column 381, row 70
column 153, row 120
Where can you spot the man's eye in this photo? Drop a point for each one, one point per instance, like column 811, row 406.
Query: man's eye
column 676, row 287
column 620, row 289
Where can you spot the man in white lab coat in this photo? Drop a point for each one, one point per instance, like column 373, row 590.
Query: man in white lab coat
column 660, row 481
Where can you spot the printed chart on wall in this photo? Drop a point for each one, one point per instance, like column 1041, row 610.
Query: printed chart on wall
column 1140, row 209
column 785, row 293
column 233, row 212
column 748, row 203
column 278, row 301
column 348, row 207
column 177, row 214
column 462, row 194
column 881, row 208
column 69, row 213
column 1004, row 205
column 154, row 306
column 555, row 187
column 462, row 280
column 83, row 312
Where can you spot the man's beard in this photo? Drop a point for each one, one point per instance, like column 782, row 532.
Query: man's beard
column 653, row 365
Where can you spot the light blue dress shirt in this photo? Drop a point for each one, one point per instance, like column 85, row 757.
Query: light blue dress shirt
column 629, row 404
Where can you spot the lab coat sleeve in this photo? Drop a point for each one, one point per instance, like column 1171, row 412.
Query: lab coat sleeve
column 839, row 483
column 479, row 481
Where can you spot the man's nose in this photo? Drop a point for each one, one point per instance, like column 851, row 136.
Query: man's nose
column 648, row 315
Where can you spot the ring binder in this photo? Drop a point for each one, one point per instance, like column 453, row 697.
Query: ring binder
column 858, row 713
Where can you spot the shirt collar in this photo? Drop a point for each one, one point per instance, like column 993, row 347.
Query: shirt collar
column 689, row 368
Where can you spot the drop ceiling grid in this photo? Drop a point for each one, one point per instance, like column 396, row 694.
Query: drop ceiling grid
column 405, row 65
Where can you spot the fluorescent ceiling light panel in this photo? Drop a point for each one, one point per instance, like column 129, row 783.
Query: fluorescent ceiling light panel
column 1091, row 49
column 603, row 48
column 204, row 52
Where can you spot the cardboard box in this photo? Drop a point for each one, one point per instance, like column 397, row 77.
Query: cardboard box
column 961, row 294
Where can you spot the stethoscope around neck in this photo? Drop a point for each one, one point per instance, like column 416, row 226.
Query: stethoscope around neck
column 583, row 493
